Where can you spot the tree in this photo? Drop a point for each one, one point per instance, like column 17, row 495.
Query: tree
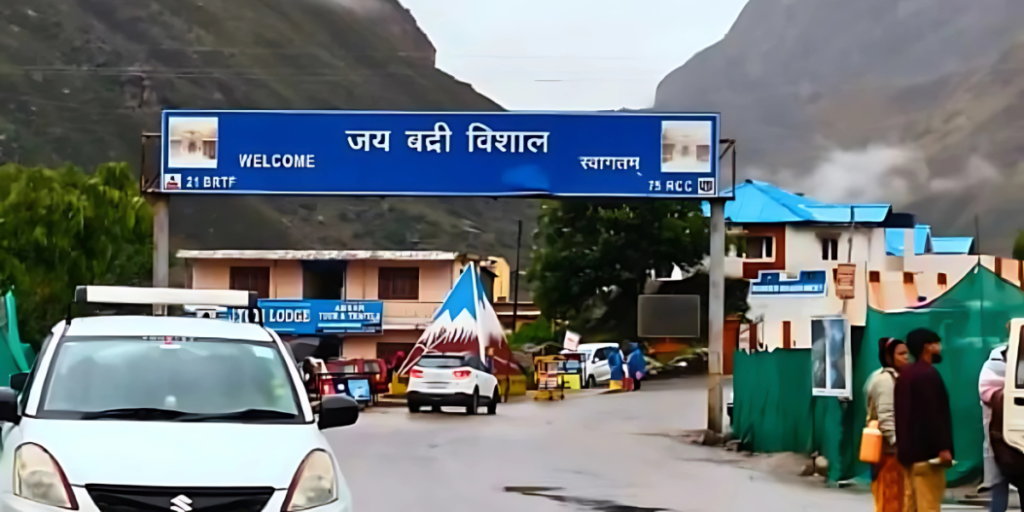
column 60, row 228
column 1018, row 246
column 592, row 259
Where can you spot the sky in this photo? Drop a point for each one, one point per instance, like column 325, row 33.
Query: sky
column 570, row 54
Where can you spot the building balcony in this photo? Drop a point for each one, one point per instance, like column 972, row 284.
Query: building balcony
column 394, row 310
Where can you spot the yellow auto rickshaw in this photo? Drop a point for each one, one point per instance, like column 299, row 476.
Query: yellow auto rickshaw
column 549, row 383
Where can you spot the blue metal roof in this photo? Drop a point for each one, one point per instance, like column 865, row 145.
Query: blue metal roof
column 922, row 240
column 952, row 244
column 758, row 202
column 925, row 243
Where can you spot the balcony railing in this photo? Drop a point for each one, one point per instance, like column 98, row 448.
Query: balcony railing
column 423, row 310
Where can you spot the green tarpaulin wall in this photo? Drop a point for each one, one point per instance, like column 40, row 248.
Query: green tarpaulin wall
column 774, row 410
column 15, row 356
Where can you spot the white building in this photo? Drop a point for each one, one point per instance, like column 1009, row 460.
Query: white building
column 790, row 247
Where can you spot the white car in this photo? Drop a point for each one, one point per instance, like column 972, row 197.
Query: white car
column 438, row 380
column 160, row 413
column 595, row 362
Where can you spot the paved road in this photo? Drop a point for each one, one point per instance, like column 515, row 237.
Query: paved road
column 605, row 453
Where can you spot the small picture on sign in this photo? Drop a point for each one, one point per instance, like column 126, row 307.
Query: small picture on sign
column 192, row 142
column 172, row 182
column 685, row 146
column 706, row 186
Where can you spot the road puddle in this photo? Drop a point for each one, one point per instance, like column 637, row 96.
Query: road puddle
column 585, row 503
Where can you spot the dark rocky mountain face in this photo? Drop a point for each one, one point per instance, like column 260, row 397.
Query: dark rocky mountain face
column 924, row 88
column 80, row 80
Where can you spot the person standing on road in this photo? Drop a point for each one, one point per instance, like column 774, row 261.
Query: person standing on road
column 924, row 423
column 889, row 480
column 991, row 381
column 636, row 364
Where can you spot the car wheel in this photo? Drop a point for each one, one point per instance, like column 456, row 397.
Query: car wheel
column 414, row 407
column 591, row 382
column 492, row 407
column 474, row 402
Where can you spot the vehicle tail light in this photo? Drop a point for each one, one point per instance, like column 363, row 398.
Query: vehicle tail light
column 327, row 386
column 461, row 374
column 415, row 374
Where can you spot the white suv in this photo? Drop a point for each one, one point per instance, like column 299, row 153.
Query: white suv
column 158, row 413
column 452, row 379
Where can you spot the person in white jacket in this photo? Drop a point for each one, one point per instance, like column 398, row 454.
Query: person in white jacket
column 888, row 477
column 992, row 378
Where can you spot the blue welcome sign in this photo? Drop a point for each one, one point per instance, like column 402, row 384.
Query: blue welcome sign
column 491, row 154
column 773, row 283
column 310, row 316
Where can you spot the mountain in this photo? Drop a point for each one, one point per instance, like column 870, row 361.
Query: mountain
column 910, row 101
column 82, row 79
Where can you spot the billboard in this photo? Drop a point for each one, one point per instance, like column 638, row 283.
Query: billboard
column 296, row 317
column 775, row 283
column 831, row 364
column 499, row 154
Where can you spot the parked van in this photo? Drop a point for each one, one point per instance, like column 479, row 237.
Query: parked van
column 595, row 362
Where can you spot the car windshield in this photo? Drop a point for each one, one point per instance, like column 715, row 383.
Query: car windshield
column 187, row 379
column 440, row 362
column 569, row 366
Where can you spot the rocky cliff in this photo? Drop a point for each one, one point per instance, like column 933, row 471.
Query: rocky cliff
column 911, row 101
column 80, row 80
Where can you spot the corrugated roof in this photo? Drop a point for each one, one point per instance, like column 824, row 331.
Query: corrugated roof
column 320, row 255
column 922, row 240
column 758, row 202
column 952, row 244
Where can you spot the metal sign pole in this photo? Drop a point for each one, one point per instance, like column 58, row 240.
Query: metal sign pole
column 716, row 315
column 160, row 203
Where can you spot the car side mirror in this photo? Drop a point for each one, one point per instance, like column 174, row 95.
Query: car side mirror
column 337, row 411
column 9, row 405
column 18, row 381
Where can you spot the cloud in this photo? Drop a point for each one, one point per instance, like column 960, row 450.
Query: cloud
column 361, row 7
column 880, row 173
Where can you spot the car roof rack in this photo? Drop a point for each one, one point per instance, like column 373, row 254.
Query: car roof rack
column 140, row 296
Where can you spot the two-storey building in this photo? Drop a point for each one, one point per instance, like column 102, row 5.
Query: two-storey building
column 790, row 247
column 385, row 298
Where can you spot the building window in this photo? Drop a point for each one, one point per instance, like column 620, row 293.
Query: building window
column 398, row 283
column 830, row 249
column 908, row 278
column 942, row 279
column 703, row 152
column 759, row 247
column 874, row 277
column 666, row 152
column 253, row 279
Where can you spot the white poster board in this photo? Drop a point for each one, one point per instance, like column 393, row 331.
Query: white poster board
column 831, row 364
column 572, row 341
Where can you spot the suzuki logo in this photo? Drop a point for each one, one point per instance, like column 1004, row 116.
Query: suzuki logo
column 181, row 503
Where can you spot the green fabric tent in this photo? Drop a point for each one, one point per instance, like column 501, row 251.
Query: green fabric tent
column 971, row 318
column 774, row 410
column 15, row 356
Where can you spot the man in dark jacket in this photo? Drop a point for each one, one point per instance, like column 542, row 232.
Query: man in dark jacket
column 924, row 424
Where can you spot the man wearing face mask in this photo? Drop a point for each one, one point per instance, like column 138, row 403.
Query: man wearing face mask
column 924, row 423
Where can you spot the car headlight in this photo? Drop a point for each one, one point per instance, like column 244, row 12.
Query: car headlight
column 39, row 478
column 314, row 483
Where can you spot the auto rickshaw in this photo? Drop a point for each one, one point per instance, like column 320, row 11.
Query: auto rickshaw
column 570, row 371
column 549, row 383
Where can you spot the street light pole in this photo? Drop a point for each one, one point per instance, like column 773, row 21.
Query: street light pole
column 716, row 315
